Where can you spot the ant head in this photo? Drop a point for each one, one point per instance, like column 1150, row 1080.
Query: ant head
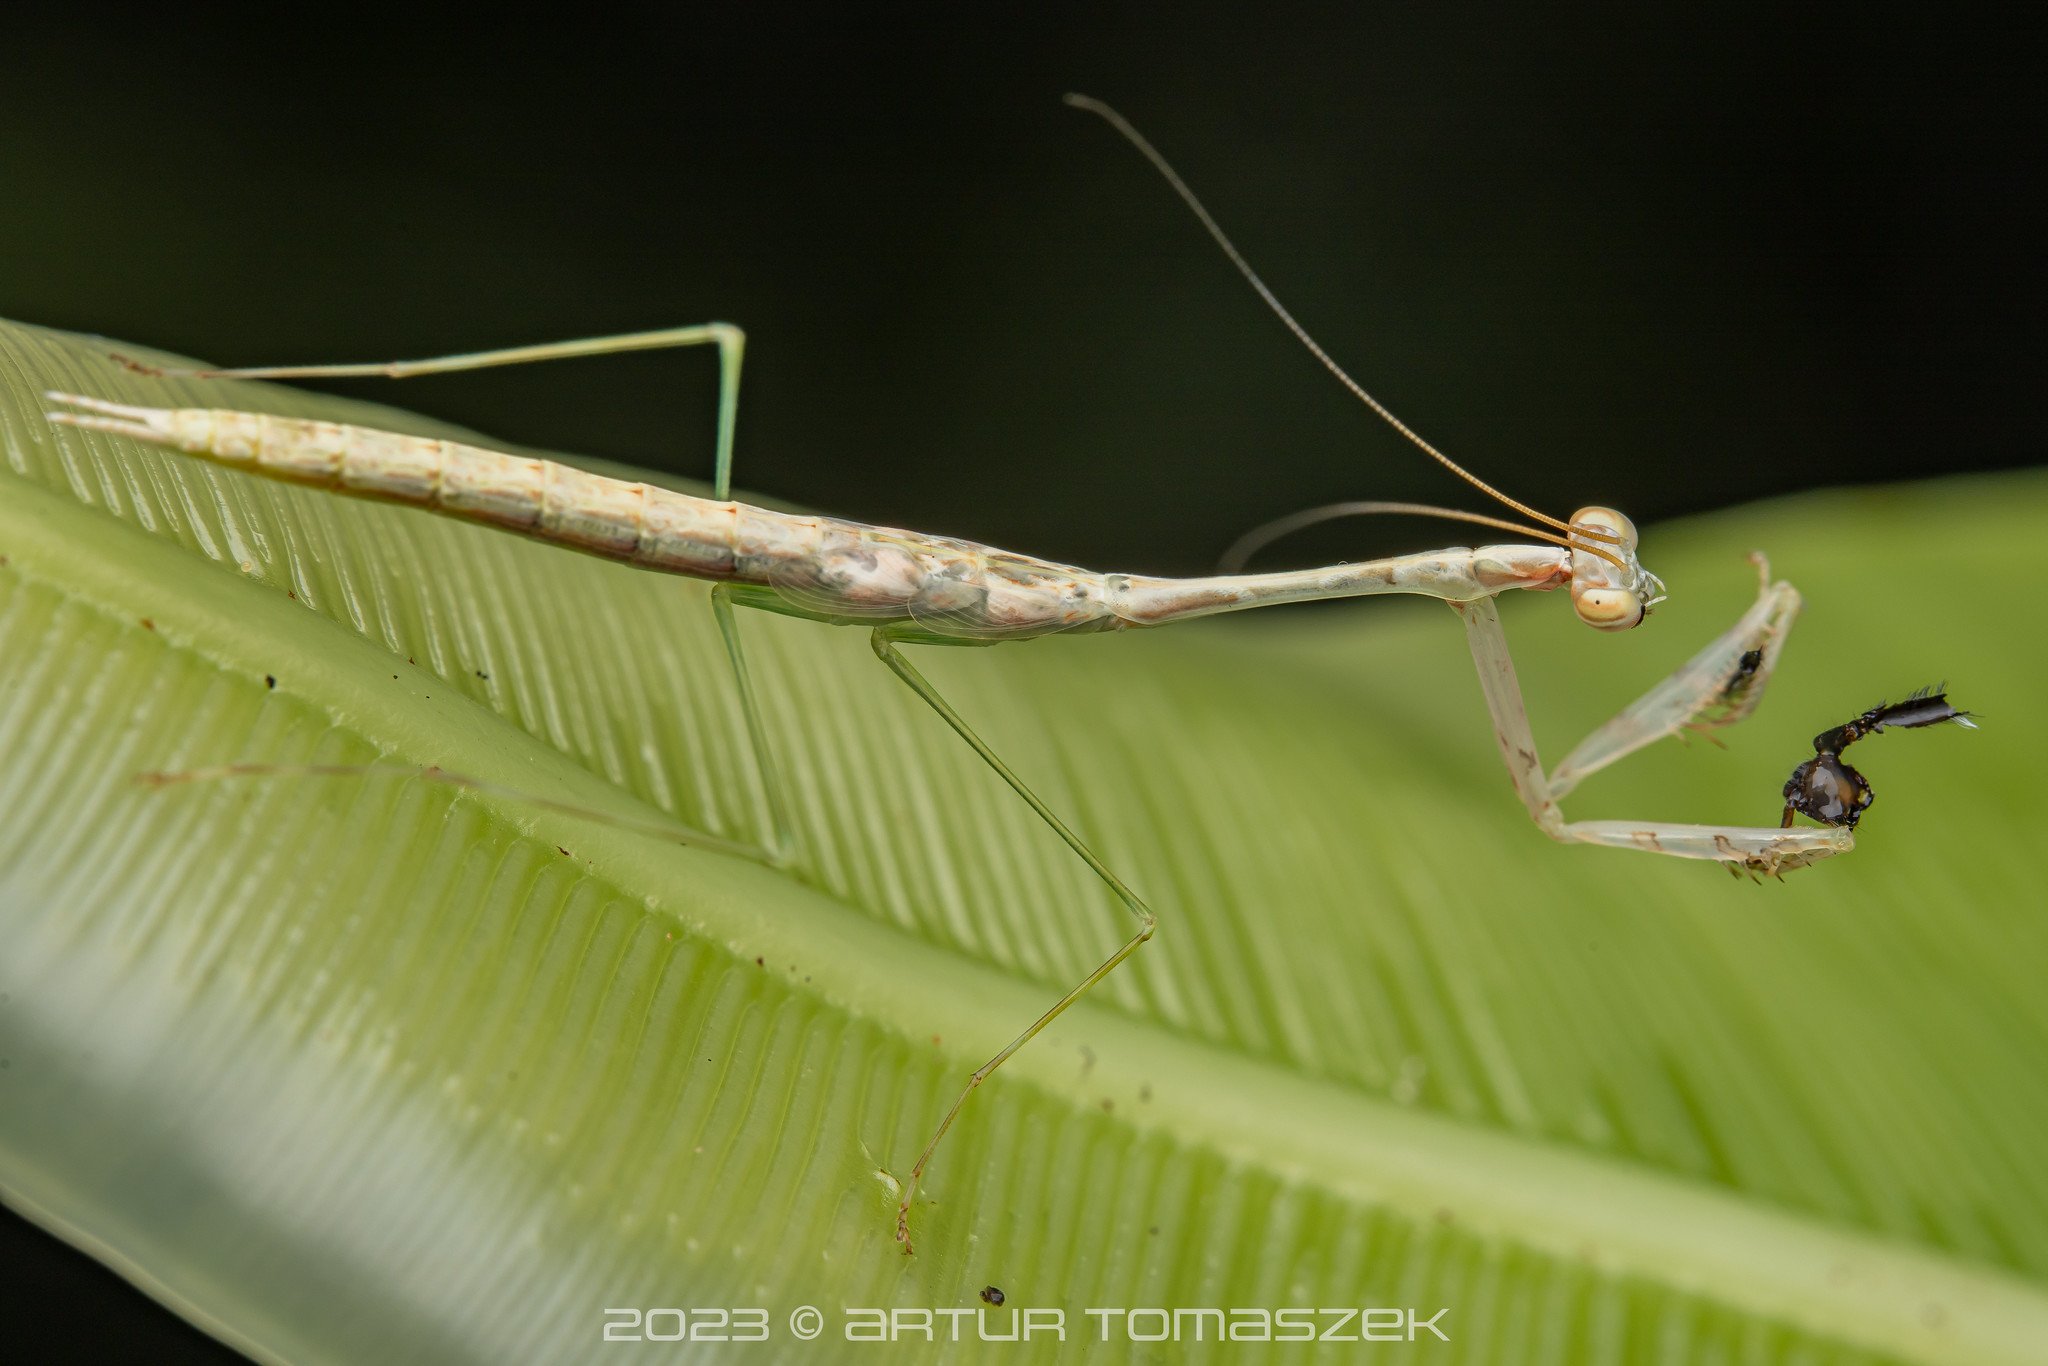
column 1611, row 591
column 1828, row 790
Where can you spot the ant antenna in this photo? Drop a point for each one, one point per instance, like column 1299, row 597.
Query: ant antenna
column 1180, row 187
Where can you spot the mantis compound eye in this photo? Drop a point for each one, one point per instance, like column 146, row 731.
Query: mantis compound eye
column 1608, row 609
column 1610, row 521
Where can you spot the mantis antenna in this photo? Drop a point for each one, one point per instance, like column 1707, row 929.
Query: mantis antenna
column 1259, row 537
column 1180, row 187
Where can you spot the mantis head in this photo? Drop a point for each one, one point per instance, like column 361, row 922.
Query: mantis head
column 1611, row 591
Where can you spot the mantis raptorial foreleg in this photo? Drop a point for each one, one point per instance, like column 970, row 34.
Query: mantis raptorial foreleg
column 1717, row 686
column 887, row 649
column 731, row 343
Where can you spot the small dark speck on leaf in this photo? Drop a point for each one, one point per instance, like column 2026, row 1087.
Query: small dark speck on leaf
column 560, row 850
column 148, row 625
column 484, row 676
column 292, row 593
column 760, row 963
column 270, row 680
column 992, row 1294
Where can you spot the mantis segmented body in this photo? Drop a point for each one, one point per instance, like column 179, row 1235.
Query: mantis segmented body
column 908, row 588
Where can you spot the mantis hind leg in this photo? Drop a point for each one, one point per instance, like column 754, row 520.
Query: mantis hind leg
column 886, row 647
column 729, row 340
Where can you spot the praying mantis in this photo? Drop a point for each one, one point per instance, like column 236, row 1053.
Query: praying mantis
column 906, row 588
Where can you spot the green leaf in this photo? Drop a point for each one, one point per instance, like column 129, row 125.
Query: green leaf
column 370, row 1069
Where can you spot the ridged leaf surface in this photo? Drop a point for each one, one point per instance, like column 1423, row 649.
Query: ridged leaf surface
column 367, row 1069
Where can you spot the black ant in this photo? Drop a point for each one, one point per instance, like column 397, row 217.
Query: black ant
column 1833, row 793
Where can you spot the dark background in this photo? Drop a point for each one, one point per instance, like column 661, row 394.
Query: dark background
column 1669, row 261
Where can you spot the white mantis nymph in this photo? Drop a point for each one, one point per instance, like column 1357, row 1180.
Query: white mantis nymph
column 908, row 588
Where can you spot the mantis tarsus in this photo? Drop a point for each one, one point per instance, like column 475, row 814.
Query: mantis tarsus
column 908, row 588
